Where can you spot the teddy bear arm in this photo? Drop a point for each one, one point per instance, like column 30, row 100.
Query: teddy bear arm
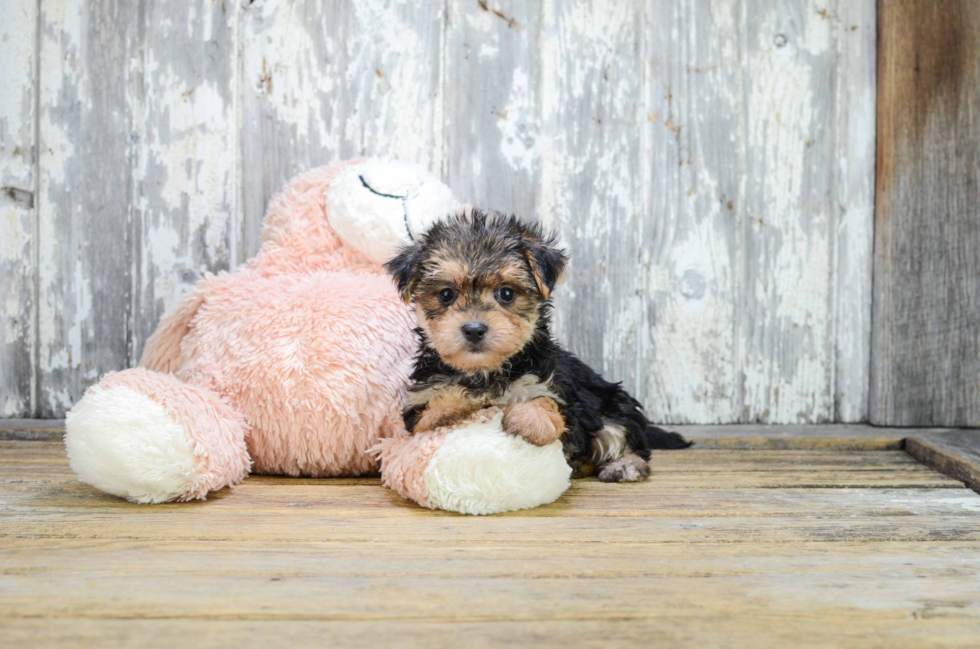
column 162, row 351
column 474, row 467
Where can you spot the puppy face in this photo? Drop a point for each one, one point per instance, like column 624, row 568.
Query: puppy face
column 479, row 282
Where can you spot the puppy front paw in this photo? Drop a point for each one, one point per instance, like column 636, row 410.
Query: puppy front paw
column 538, row 421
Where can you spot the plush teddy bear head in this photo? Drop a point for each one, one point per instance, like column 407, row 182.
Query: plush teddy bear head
column 377, row 206
column 368, row 210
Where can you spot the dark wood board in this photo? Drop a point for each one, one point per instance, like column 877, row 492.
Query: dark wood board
column 925, row 368
column 954, row 453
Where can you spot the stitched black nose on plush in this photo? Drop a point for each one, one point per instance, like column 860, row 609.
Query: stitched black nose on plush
column 474, row 331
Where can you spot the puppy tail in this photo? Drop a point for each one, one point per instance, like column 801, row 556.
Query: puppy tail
column 659, row 439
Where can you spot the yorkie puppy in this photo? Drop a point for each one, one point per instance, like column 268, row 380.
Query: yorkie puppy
column 481, row 283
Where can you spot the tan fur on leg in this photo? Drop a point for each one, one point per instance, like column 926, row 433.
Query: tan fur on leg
column 451, row 405
column 538, row 421
column 629, row 468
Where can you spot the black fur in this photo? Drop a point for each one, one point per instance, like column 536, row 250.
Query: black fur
column 590, row 402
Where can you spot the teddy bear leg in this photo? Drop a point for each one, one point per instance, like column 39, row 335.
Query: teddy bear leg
column 150, row 438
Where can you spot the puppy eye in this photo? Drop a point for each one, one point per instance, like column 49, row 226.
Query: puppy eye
column 446, row 296
column 506, row 295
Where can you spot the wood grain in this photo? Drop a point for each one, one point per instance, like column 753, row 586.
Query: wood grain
column 133, row 557
column 18, row 175
column 693, row 177
column 331, row 80
column 32, row 429
column 855, row 25
column 709, row 163
column 593, row 178
column 671, row 501
column 753, row 294
column 785, row 330
column 825, row 628
column 492, row 103
column 926, row 342
column 512, row 592
column 185, row 110
column 700, row 555
column 838, row 437
column 89, row 72
column 953, row 453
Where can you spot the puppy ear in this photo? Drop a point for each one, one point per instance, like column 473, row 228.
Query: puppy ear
column 403, row 269
column 547, row 262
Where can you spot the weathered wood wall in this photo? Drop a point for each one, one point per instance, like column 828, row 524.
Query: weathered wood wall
column 18, row 132
column 926, row 366
column 709, row 162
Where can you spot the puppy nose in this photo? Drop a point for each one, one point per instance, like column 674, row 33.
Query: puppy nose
column 474, row 331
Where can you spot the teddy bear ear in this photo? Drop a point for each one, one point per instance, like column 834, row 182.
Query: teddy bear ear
column 403, row 269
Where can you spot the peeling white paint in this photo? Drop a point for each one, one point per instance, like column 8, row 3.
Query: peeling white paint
column 518, row 142
column 488, row 51
column 787, row 340
column 856, row 130
column 16, row 97
column 286, row 65
column 337, row 82
column 552, row 197
column 691, row 339
column 399, row 116
column 188, row 158
column 492, row 107
column 16, row 238
column 710, row 163
column 83, row 309
column 16, row 283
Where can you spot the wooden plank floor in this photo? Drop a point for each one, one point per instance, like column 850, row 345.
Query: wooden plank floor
column 752, row 548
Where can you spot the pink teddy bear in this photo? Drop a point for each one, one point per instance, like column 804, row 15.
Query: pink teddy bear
column 294, row 364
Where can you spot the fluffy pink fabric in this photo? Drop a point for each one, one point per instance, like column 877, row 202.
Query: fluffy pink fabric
column 296, row 237
column 309, row 343
column 315, row 362
column 162, row 352
column 215, row 430
column 405, row 458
